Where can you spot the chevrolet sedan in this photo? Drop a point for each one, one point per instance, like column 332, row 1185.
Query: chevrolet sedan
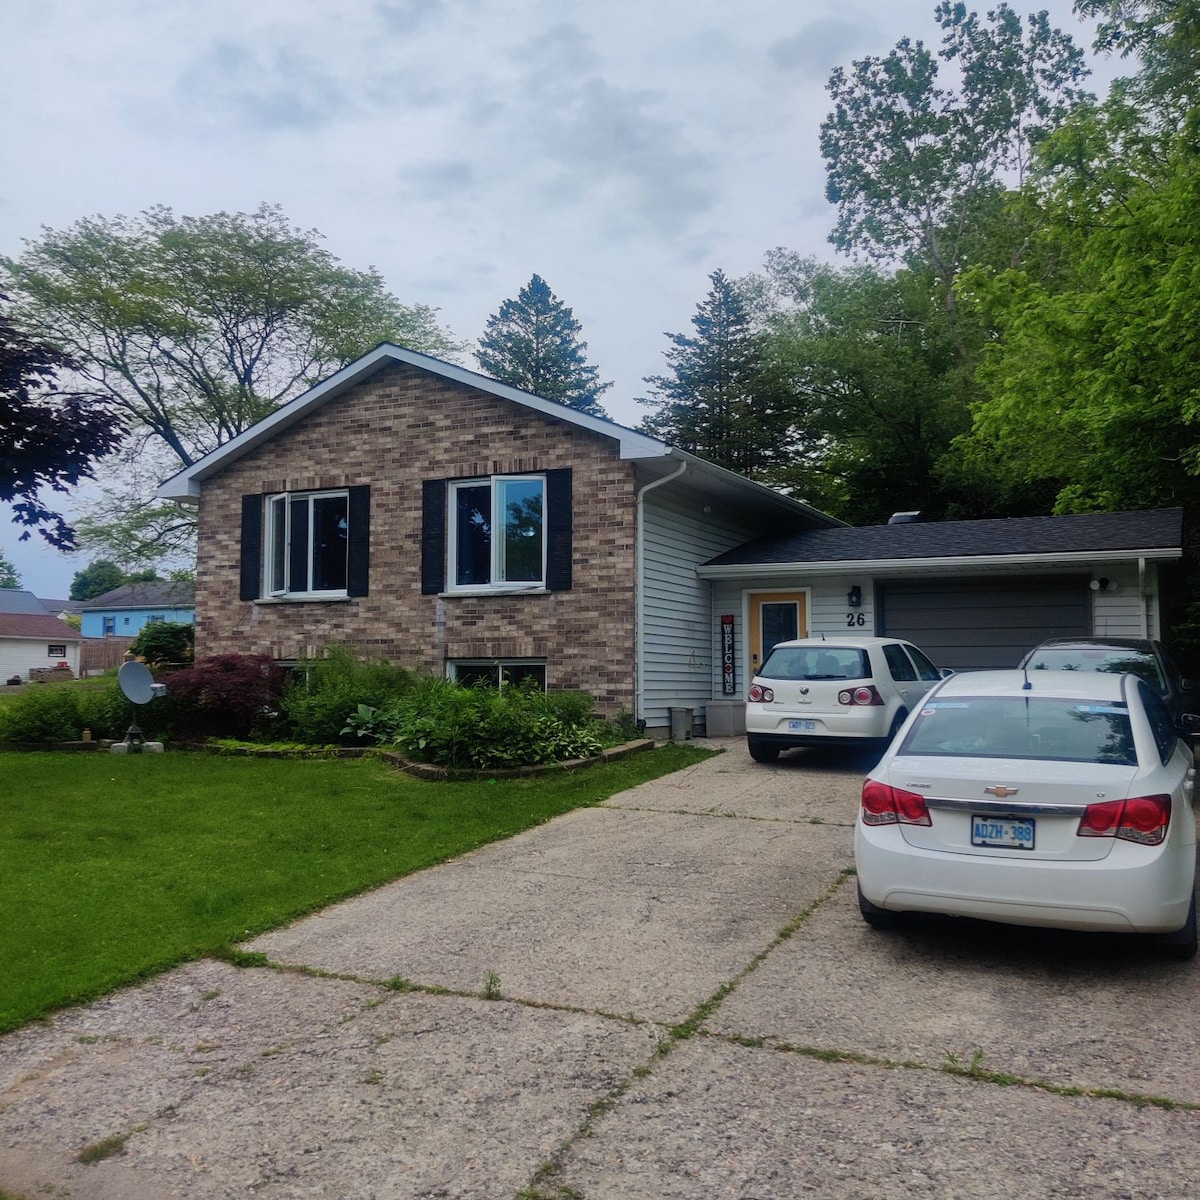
column 1047, row 798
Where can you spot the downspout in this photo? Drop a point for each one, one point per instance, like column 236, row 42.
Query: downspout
column 638, row 587
column 1143, row 597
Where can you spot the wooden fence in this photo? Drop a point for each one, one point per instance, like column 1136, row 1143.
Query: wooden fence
column 97, row 655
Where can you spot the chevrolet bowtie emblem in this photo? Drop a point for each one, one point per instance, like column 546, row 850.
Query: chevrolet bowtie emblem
column 1001, row 791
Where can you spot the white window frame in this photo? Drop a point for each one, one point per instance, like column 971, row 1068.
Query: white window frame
column 271, row 545
column 495, row 582
column 56, row 650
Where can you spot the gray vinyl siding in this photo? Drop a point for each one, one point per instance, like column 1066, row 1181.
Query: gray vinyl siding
column 678, row 636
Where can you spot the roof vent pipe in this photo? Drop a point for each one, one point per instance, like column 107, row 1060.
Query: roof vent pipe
column 904, row 518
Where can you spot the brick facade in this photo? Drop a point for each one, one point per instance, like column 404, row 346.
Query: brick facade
column 394, row 431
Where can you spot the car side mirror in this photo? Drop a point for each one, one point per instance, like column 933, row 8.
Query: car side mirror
column 946, row 672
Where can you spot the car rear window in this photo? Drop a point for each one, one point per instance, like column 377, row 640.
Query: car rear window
column 1034, row 727
column 816, row 662
column 1108, row 660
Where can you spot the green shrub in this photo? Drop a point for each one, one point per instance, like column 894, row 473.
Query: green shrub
column 486, row 728
column 43, row 712
column 226, row 695
column 322, row 693
column 165, row 642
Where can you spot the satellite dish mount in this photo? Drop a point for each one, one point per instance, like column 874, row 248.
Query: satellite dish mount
column 138, row 687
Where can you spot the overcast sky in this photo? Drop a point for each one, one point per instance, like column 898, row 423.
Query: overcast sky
column 621, row 149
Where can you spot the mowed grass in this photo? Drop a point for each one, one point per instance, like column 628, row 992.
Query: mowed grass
column 113, row 868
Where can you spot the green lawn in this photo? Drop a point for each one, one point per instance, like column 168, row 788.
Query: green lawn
column 115, row 867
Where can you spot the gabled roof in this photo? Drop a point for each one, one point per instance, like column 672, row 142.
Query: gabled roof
column 656, row 459
column 1087, row 537
column 16, row 600
column 43, row 628
column 158, row 594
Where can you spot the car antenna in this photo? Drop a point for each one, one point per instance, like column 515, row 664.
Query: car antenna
column 1026, row 686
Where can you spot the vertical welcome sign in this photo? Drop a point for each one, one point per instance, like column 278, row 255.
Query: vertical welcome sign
column 728, row 669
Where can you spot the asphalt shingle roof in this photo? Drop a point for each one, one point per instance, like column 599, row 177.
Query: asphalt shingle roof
column 1157, row 529
column 161, row 594
column 30, row 625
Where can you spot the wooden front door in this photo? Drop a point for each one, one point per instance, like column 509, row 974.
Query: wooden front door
column 774, row 617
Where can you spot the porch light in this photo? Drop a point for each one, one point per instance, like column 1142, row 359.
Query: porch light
column 854, row 598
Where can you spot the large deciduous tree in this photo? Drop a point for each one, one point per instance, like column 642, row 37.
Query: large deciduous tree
column 722, row 400
column 49, row 438
column 533, row 343
column 196, row 327
column 914, row 165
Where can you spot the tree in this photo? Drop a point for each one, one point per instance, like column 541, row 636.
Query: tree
column 95, row 579
column 533, row 344
column 916, row 168
column 8, row 573
column 196, row 327
column 48, row 438
column 722, row 401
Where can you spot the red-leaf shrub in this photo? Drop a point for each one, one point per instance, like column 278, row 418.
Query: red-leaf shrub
column 225, row 695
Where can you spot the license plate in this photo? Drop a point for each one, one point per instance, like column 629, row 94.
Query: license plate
column 802, row 726
column 1003, row 832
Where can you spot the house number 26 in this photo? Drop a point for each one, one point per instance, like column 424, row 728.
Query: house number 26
column 853, row 619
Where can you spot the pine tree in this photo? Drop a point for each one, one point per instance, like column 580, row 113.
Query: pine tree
column 722, row 401
column 533, row 343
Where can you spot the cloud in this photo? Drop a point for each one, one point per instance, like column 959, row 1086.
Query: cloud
column 820, row 45
column 406, row 16
column 264, row 90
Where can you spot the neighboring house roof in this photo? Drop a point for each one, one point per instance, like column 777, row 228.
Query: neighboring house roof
column 1089, row 537
column 15, row 600
column 43, row 627
column 159, row 594
column 657, row 458
column 58, row 607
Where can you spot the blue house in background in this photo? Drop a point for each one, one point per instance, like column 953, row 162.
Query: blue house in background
column 125, row 610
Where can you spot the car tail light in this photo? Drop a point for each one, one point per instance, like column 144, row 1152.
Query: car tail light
column 886, row 805
column 761, row 695
column 1143, row 819
column 868, row 694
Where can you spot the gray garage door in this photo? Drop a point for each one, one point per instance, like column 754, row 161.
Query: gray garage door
column 985, row 623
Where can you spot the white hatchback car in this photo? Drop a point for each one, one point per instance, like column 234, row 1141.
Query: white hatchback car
column 834, row 691
column 1051, row 798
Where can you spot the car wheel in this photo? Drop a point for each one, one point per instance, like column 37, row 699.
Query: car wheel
column 876, row 917
column 1181, row 944
column 762, row 752
column 897, row 721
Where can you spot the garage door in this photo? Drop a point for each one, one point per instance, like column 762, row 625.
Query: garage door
column 985, row 623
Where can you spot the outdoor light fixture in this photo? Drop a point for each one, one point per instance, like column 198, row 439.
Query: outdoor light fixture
column 854, row 599
column 1104, row 585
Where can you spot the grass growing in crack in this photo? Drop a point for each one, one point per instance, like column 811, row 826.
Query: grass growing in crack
column 491, row 986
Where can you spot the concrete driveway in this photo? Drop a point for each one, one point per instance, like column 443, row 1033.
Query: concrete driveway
column 683, row 1003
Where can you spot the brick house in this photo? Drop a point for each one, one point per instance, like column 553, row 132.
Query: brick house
column 416, row 511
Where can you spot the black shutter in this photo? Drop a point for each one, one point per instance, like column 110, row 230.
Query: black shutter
column 558, row 530
column 252, row 530
column 298, row 555
column 359, row 550
column 433, row 536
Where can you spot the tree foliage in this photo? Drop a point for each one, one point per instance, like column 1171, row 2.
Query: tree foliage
column 48, row 438
column 9, row 578
column 533, row 343
column 95, row 579
column 915, row 166
column 722, row 400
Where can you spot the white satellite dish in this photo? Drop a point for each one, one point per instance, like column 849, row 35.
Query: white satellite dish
column 137, row 684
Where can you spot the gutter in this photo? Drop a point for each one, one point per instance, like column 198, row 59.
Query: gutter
column 639, row 683
column 1081, row 558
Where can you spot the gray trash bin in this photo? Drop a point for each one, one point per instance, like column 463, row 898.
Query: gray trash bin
column 681, row 724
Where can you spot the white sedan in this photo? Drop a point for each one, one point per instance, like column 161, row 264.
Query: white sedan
column 1052, row 798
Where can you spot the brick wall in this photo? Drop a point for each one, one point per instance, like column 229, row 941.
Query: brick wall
column 394, row 431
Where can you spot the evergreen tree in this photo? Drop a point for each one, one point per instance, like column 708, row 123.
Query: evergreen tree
column 723, row 401
column 533, row 344
column 8, row 573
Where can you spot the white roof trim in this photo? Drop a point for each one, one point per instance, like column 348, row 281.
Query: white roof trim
column 186, row 484
column 897, row 565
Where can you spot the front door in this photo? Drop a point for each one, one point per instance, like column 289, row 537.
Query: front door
column 774, row 617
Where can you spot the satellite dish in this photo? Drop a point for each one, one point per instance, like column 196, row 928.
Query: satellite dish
column 137, row 684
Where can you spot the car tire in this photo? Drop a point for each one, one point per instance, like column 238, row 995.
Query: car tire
column 762, row 752
column 1181, row 944
column 876, row 917
column 897, row 721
